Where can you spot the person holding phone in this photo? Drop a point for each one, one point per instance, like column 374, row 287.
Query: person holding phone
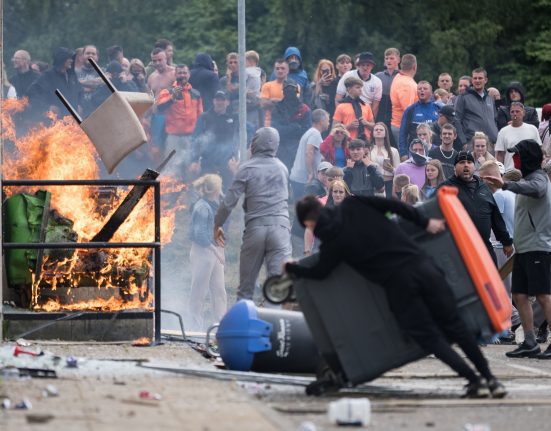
column 324, row 87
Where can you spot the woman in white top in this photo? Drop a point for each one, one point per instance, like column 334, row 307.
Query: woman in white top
column 384, row 155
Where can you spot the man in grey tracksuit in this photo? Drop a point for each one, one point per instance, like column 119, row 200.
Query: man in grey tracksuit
column 532, row 265
column 475, row 109
column 264, row 181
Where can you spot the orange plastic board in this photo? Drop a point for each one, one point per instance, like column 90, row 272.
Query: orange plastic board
column 478, row 261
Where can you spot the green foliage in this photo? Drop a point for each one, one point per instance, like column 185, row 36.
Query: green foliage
column 510, row 38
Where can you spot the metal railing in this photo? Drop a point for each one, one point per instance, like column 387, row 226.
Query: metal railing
column 155, row 245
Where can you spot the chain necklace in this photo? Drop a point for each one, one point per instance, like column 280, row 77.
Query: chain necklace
column 443, row 155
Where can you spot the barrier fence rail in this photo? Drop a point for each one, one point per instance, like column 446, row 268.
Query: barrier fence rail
column 155, row 245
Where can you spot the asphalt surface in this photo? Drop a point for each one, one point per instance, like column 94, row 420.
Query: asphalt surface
column 103, row 393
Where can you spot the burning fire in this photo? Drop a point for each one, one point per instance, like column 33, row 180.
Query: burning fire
column 63, row 152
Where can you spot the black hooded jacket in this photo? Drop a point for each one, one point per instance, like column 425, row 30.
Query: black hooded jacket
column 482, row 208
column 531, row 156
column 42, row 91
column 503, row 115
column 377, row 250
column 204, row 79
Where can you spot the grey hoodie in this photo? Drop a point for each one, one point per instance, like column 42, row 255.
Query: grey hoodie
column 533, row 203
column 532, row 212
column 264, row 181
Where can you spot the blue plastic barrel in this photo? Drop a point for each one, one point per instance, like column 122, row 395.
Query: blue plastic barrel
column 266, row 340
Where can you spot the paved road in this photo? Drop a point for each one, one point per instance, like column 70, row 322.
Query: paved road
column 102, row 394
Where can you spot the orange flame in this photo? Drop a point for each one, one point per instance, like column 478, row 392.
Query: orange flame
column 63, row 152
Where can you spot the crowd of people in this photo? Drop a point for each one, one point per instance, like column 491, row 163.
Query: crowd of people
column 337, row 131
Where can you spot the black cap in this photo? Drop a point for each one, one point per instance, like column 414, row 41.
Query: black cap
column 463, row 155
column 289, row 83
column 366, row 57
column 220, row 95
column 448, row 112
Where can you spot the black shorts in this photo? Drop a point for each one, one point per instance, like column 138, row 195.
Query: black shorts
column 532, row 273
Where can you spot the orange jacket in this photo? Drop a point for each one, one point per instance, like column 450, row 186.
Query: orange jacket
column 181, row 114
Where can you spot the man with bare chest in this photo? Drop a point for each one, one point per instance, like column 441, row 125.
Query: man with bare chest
column 163, row 77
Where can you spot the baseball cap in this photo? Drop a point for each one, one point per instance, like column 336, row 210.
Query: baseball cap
column 448, row 112
column 323, row 166
column 463, row 155
column 366, row 57
column 220, row 95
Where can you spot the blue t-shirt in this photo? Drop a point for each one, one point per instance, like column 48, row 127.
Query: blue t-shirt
column 340, row 160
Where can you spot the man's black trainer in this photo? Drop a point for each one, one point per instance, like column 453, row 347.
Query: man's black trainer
column 476, row 389
column 497, row 390
column 524, row 351
column 546, row 354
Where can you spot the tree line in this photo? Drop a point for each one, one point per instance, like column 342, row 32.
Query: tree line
column 510, row 38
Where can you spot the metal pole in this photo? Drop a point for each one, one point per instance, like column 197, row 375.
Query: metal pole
column 242, row 80
column 157, row 275
column 1, row 165
column 69, row 107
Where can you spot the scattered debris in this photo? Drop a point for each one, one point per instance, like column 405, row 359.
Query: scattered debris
column 9, row 373
column 40, row 373
column 39, row 418
column 119, row 382
column 6, row 404
column 307, row 426
column 71, row 362
column 350, row 411
column 23, row 343
column 20, row 351
column 258, row 390
column 24, row 404
column 50, row 391
column 146, row 395
column 142, row 342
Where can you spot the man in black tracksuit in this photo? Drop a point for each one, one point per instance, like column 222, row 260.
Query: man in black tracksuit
column 215, row 140
column 418, row 294
column 479, row 203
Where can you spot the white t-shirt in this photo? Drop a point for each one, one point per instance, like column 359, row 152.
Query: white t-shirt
column 510, row 136
column 505, row 201
column 299, row 171
column 371, row 91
